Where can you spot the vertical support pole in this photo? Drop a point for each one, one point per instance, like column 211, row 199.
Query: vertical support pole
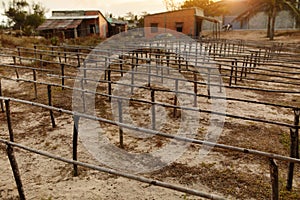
column 34, row 46
column 19, row 55
column 121, row 64
column 15, row 169
column 16, row 69
column 84, row 72
column 293, row 153
column 62, row 76
column 35, row 84
column 78, row 58
column 179, row 64
column 121, row 121
column 220, row 78
column 10, row 153
column 296, row 123
column 251, row 62
column 208, row 82
column 109, row 82
column 1, row 101
column 168, row 62
column 195, row 89
column 149, row 72
column 8, row 119
column 231, row 73
column 236, row 71
column 132, row 79
column 41, row 60
column 153, row 109
column 175, row 98
column 75, row 139
column 82, row 95
column 246, row 65
column 59, row 57
column 50, row 104
column 243, row 68
column 294, row 148
column 65, row 55
column 274, row 179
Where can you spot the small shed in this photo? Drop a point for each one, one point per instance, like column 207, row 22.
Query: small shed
column 188, row 21
column 117, row 26
column 73, row 24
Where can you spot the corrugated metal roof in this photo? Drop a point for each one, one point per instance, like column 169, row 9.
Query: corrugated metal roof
column 59, row 24
column 75, row 17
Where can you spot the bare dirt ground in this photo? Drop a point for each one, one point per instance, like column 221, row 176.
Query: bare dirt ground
column 225, row 173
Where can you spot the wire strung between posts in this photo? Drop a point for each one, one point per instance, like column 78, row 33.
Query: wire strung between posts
column 118, row 173
column 152, row 132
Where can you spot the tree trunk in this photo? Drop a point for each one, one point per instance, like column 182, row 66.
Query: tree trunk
column 269, row 26
column 273, row 18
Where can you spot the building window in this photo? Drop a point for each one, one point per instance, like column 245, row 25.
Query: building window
column 92, row 29
column 179, row 26
column 154, row 27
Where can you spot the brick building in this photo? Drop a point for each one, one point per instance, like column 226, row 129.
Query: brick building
column 188, row 21
column 75, row 23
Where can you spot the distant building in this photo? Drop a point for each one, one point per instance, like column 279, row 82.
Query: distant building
column 75, row 23
column 116, row 26
column 284, row 19
column 188, row 21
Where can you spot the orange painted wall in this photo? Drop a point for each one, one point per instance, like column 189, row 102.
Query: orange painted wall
column 168, row 20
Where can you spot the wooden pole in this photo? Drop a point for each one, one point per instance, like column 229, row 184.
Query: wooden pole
column 62, row 67
column 78, row 58
column 195, row 89
column 65, row 55
column 236, row 71
column 19, row 54
column 208, row 83
column 231, row 73
column 8, row 119
column 175, row 98
column 75, row 140
column 83, row 95
column 153, row 109
column 1, row 101
column 15, row 169
column 121, row 64
column 59, row 58
column 34, row 84
column 50, row 104
column 274, row 179
column 16, row 70
column 41, row 60
column 293, row 153
column 296, row 123
column 149, row 72
column 35, row 51
column 220, row 78
column 120, row 120
column 109, row 82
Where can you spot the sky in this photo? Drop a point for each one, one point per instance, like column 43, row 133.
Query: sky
column 116, row 7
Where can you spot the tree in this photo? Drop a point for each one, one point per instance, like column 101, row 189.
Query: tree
column 196, row 3
column 172, row 5
column 271, row 8
column 130, row 16
column 141, row 19
column 23, row 16
column 209, row 7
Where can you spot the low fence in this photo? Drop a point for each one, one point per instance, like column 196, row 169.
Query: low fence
column 238, row 64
